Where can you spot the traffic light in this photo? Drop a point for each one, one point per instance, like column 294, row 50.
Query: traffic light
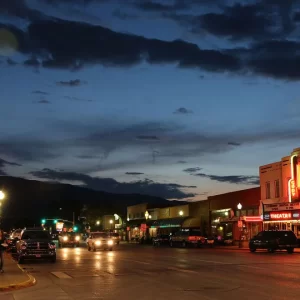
column 54, row 221
column 43, row 221
column 75, row 228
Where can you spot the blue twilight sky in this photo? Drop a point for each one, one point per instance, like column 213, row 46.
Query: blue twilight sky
column 179, row 99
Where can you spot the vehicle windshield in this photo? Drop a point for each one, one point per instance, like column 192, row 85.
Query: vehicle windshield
column 100, row 235
column 35, row 235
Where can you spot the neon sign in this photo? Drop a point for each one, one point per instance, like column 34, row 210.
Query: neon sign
column 293, row 188
column 281, row 216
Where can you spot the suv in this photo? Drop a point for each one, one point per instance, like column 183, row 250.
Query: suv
column 35, row 243
column 274, row 240
column 69, row 239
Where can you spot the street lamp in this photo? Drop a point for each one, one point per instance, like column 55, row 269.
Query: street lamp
column 2, row 195
column 239, row 207
column 181, row 213
column 98, row 223
column 111, row 222
column 146, row 215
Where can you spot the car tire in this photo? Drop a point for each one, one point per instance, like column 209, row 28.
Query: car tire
column 110, row 249
column 183, row 244
column 290, row 250
column 89, row 248
column 53, row 259
column 271, row 250
column 252, row 250
column 171, row 244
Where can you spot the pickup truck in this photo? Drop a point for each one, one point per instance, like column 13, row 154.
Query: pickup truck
column 187, row 237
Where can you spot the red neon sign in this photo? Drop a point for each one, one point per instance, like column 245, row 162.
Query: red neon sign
column 281, row 216
column 293, row 188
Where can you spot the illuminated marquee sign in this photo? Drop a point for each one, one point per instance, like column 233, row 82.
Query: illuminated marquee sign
column 293, row 189
column 281, row 216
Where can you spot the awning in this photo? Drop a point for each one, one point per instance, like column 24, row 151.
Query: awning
column 137, row 223
column 168, row 223
column 192, row 223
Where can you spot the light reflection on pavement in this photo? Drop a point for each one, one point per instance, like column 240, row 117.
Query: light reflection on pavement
column 142, row 272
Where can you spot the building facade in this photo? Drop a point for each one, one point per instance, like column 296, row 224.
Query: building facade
column 280, row 184
column 235, row 216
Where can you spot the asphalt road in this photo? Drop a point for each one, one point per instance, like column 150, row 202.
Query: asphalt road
column 143, row 272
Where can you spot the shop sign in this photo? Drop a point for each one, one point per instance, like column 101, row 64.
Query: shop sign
column 281, row 206
column 293, row 188
column 282, row 215
column 143, row 227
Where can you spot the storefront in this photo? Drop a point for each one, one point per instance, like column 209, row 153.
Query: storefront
column 282, row 216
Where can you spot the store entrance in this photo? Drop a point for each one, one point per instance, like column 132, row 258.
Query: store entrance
column 296, row 230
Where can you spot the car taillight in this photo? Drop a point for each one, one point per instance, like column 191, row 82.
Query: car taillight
column 23, row 247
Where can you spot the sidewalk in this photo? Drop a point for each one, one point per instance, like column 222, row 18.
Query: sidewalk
column 14, row 277
column 296, row 250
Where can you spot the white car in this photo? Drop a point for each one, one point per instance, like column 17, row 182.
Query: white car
column 99, row 240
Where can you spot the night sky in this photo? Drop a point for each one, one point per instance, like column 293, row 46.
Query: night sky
column 178, row 99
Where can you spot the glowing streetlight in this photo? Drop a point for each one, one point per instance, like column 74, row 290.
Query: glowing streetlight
column 128, row 219
column 111, row 221
column 181, row 213
column 146, row 215
column 239, row 206
column 2, row 195
column 98, row 223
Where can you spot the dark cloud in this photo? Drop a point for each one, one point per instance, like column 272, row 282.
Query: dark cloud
column 40, row 92
column 4, row 163
column 11, row 62
column 145, row 187
column 71, row 83
column 134, row 173
column 192, row 170
column 182, row 111
column 43, row 101
column 297, row 17
column 18, row 8
column 148, row 137
column 84, row 47
column 77, row 99
column 234, row 179
column 234, row 144
column 32, row 62
column 260, row 20
column 182, row 162
column 154, row 6
column 26, row 149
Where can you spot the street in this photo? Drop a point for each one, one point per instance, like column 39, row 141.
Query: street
column 144, row 272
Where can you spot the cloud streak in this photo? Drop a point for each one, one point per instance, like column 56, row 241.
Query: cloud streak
column 233, row 179
column 146, row 187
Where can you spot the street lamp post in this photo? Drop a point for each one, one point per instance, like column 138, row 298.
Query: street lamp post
column 239, row 207
column 111, row 222
column 2, row 196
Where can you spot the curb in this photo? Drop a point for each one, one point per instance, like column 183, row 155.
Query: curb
column 31, row 281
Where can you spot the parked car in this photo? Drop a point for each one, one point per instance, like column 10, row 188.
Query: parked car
column 187, row 237
column 161, row 239
column 115, row 237
column 99, row 240
column 35, row 243
column 69, row 239
column 273, row 240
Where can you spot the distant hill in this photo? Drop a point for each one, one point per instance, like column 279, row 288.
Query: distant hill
column 28, row 201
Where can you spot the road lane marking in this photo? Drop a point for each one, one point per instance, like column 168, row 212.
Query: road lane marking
column 61, row 275
column 138, row 261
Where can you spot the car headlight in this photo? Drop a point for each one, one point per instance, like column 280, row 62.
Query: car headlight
column 77, row 238
column 110, row 242
column 65, row 238
column 98, row 243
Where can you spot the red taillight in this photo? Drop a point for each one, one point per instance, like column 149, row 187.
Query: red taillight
column 191, row 238
column 23, row 247
column 52, row 246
